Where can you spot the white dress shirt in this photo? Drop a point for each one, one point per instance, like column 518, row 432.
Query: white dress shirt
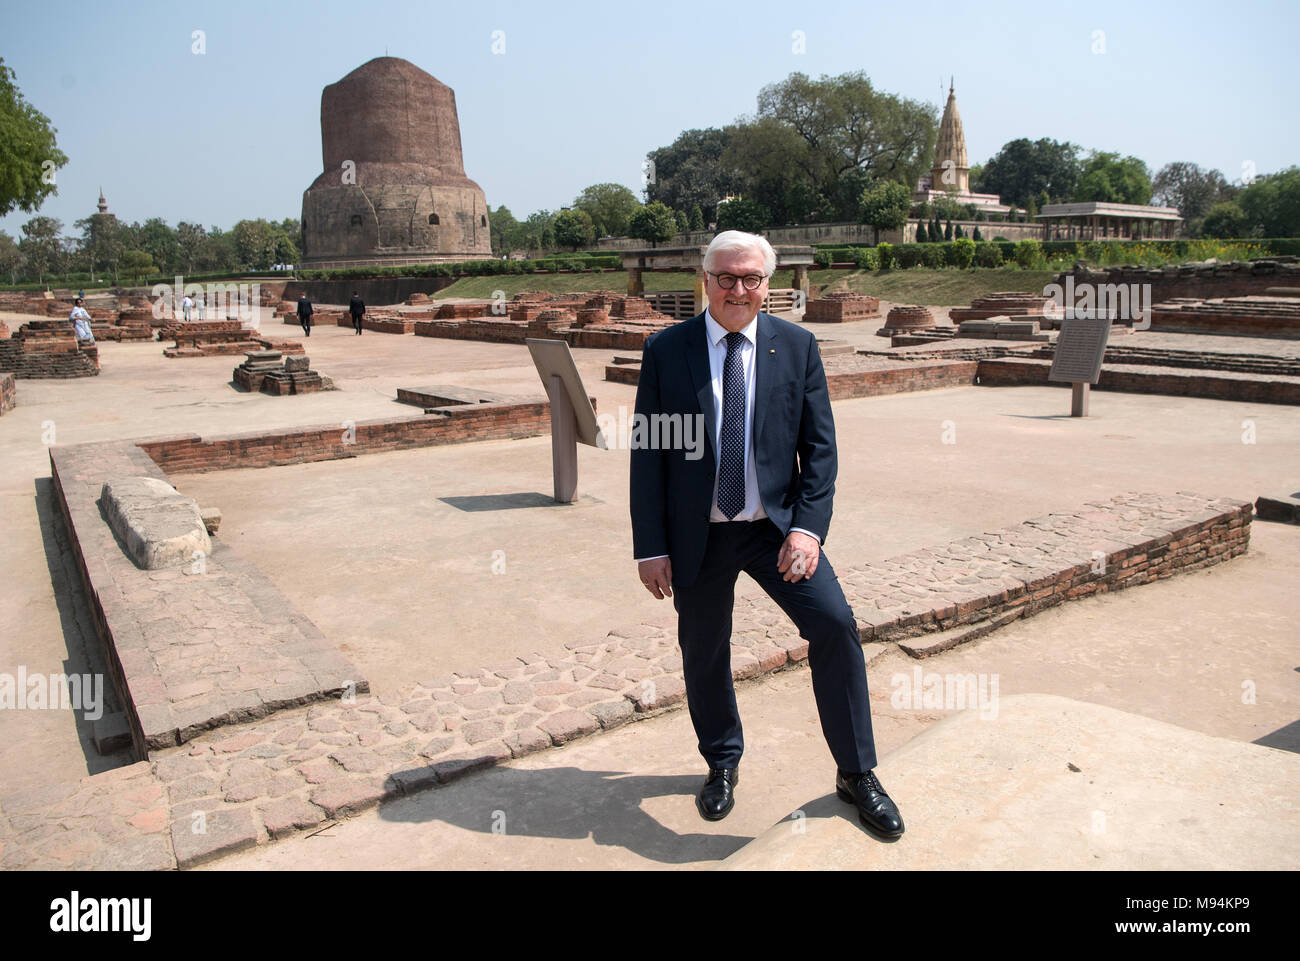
column 716, row 338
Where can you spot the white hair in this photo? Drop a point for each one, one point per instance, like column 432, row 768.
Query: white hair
column 737, row 241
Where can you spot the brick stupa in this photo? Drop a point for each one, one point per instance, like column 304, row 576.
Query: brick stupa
column 393, row 189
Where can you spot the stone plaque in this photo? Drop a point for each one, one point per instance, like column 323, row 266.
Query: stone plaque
column 1079, row 350
column 552, row 358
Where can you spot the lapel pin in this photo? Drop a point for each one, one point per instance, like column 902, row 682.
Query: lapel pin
column 771, row 351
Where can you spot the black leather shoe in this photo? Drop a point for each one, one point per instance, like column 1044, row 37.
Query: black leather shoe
column 876, row 810
column 718, row 796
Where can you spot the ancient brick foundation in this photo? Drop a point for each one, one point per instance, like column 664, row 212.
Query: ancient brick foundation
column 1231, row 279
column 1260, row 316
column 300, row 445
column 1131, row 378
column 47, row 349
column 839, row 308
column 124, row 818
column 906, row 317
column 1009, row 303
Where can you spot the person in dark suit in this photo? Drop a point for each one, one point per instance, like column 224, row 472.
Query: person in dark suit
column 759, row 503
column 304, row 314
column 357, row 308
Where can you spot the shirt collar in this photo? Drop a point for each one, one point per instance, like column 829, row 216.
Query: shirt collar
column 716, row 332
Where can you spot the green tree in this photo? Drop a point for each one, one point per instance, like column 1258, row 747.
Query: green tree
column 885, row 205
column 697, row 218
column 1109, row 178
column 218, row 253
column 1190, row 188
column 770, row 160
column 159, row 241
column 1272, row 204
column 690, row 172
column 40, row 245
column 847, row 125
column 653, row 223
column 255, row 243
column 101, row 240
column 137, row 264
column 922, row 235
column 29, row 155
column 683, row 222
column 11, row 258
column 947, row 231
column 504, row 230
column 573, row 228
column 191, row 239
column 743, row 213
column 1225, row 220
column 536, row 232
column 609, row 206
column 1025, row 168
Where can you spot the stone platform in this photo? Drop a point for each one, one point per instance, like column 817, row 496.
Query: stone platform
column 295, row 769
column 192, row 647
column 1054, row 784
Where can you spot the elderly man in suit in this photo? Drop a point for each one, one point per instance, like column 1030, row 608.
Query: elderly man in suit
column 761, row 503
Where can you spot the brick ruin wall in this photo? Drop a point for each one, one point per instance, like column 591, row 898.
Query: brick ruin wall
column 190, row 453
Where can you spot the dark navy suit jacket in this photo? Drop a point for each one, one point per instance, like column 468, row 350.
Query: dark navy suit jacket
column 793, row 436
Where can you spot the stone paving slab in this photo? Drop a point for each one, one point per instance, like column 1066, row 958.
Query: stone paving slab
column 300, row 767
column 194, row 647
column 1103, row 789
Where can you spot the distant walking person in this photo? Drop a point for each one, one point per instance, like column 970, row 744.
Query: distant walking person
column 304, row 314
column 357, row 308
column 81, row 323
column 203, row 307
column 186, row 306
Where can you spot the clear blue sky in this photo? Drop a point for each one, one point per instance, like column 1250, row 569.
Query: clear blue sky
column 584, row 90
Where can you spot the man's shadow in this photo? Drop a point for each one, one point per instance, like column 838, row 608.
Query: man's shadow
column 571, row 803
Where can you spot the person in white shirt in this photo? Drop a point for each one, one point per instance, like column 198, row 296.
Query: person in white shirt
column 81, row 323
column 186, row 306
column 203, row 307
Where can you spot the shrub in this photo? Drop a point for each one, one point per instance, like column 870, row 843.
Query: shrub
column 868, row 259
column 963, row 252
column 988, row 255
column 922, row 234
column 822, row 258
column 1029, row 254
column 932, row 255
column 885, row 252
column 909, row 255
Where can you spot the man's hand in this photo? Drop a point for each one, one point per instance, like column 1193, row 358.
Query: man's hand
column 657, row 576
column 798, row 557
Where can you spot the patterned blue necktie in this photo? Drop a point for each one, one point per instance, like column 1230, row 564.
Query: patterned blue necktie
column 731, row 462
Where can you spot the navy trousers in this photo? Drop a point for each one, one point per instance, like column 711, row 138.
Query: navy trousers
column 823, row 618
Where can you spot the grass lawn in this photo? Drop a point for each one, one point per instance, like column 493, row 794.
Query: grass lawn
column 938, row 288
column 615, row 280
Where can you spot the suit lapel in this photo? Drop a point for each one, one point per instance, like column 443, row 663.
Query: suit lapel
column 764, row 370
column 697, row 360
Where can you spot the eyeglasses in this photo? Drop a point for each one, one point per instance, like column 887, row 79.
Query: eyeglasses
column 728, row 281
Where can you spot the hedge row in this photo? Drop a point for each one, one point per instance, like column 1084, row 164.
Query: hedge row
column 473, row 268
